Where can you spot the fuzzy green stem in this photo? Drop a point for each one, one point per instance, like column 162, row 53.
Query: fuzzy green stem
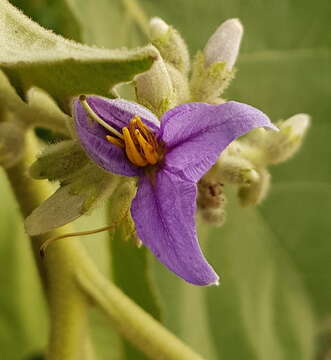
column 67, row 270
column 131, row 321
column 68, row 333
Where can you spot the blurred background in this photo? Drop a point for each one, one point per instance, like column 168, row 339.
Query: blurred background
column 274, row 301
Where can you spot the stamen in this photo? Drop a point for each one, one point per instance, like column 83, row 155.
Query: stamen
column 131, row 150
column 148, row 150
column 95, row 117
column 115, row 141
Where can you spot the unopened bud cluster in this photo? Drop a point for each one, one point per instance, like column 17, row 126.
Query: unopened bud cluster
column 211, row 202
column 168, row 84
column 245, row 162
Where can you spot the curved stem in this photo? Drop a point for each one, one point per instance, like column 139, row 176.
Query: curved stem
column 67, row 304
column 137, row 326
column 69, row 276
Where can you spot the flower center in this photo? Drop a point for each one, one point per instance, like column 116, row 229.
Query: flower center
column 138, row 141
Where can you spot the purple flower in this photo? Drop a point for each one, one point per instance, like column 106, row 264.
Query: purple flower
column 169, row 157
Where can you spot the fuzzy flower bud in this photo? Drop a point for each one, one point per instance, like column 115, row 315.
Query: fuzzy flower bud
column 215, row 217
column 211, row 202
column 235, row 170
column 224, row 44
column 154, row 88
column 171, row 45
column 212, row 70
column 282, row 145
column 180, row 85
column 157, row 28
column 256, row 192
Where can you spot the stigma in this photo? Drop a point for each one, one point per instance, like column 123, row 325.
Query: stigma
column 137, row 139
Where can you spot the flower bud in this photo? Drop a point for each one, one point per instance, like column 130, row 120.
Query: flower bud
column 180, row 85
column 282, row 145
column 211, row 202
column 215, row 217
column 235, row 170
column 157, row 28
column 256, row 192
column 224, row 44
column 154, row 88
column 210, row 194
column 171, row 45
column 59, row 161
column 12, row 142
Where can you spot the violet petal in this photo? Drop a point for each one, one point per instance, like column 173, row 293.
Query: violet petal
column 118, row 112
column 92, row 137
column 163, row 211
column 195, row 134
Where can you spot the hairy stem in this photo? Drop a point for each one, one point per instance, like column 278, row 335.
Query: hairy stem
column 71, row 281
column 68, row 333
column 137, row 326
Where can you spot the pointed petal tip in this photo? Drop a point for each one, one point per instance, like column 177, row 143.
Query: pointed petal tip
column 215, row 283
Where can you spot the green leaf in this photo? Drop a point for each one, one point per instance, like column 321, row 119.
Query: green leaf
column 23, row 321
column 33, row 56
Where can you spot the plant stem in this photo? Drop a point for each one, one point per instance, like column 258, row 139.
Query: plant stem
column 131, row 321
column 68, row 333
column 67, row 270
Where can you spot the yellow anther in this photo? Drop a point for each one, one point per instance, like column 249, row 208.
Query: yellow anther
column 131, row 150
column 150, row 154
column 115, row 141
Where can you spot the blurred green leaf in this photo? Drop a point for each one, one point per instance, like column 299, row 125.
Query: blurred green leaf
column 33, row 56
column 262, row 300
column 23, row 319
column 55, row 15
column 117, row 23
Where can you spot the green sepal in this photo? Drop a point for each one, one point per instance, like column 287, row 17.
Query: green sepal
column 59, row 161
column 77, row 195
column 209, row 83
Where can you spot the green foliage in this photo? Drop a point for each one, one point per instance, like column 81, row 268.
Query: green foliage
column 23, row 320
column 32, row 56
column 274, row 259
